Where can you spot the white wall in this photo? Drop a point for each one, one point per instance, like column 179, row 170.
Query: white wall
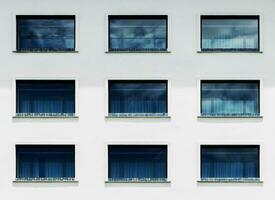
column 92, row 131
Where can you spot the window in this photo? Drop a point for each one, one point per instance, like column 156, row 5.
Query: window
column 230, row 161
column 137, row 33
column 230, row 98
column 232, row 33
column 45, row 161
column 132, row 97
column 45, row 33
column 137, row 162
column 45, row 97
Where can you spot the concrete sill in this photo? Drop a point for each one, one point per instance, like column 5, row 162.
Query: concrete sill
column 231, row 181
column 18, row 51
column 137, row 116
column 230, row 116
column 229, row 51
column 45, row 117
column 151, row 182
column 157, row 52
column 45, row 181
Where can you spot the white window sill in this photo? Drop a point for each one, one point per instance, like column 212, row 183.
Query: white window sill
column 44, row 115
column 229, row 51
column 61, row 180
column 137, row 115
column 138, row 181
column 231, row 116
column 40, row 51
column 165, row 51
column 229, row 180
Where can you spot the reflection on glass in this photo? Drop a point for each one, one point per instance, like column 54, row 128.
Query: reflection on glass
column 136, row 34
column 138, row 97
column 45, row 33
column 45, row 161
column 230, row 34
column 42, row 96
column 137, row 162
column 230, row 98
column 229, row 161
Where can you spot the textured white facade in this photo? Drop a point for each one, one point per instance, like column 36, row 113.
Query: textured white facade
column 184, row 66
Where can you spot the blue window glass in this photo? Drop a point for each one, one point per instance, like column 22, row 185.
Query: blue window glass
column 45, row 161
column 230, row 161
column 143, row 97
column 137, row 33
column 45, row 33
column 45, row 96
column 235, row 33
column 137, row 162
column 239, row 98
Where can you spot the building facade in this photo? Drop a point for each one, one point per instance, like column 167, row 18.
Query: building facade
column 137, row 99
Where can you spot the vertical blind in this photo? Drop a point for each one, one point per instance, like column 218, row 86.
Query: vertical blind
column 43, row 33
column 137, row 96
column 230, row 97
column 225, row 32
column 138, row 33
column 45, row 96
column 45, row 161
column 137, row 161
column 229, row 161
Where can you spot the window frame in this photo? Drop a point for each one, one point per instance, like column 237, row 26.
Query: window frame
column 137, row 16
column 141, row 143
column 14, row 97
column 258, row 144
column 50, row 180
column 231, row 16
column 46, row 16
column 221, row 80
column 137, row 115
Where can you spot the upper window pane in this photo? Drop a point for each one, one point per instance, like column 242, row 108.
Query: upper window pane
column 45, row 96
column 143, row 162
column 45, row 33
column 240, row 98
column 137, row 33
column 235, row 33
column 45, row 161
column 140, row 97
column 230, row 161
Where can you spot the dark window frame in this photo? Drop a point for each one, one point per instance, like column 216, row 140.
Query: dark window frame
column 232, row 146
column 110, row 17
column 137, row 81
column 17, row 103
column 44, row 145
column 18, row 17
column 232, row 81
column 144, row 145
column 221, row 17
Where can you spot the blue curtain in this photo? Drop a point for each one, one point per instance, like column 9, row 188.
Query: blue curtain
column 45, row 161
column 46, row 33
column 45, row 96
column 137, row 161
column 226, row 33
column 137, row 97
column 138, row 33
column 230, row 98
column 229, row 162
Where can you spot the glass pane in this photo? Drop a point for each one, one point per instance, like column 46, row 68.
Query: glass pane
column 138, row 97
column 45, row 161
column 230, row 98
column 45, row 34
column 137, row 161
column 45, row 96
column 138, row 34
column 234, row 34
column 230, row 161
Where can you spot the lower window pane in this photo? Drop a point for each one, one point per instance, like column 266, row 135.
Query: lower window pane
column 229, row 161
column 45, row 161
column 137, row 162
